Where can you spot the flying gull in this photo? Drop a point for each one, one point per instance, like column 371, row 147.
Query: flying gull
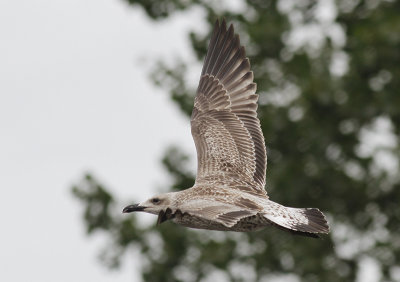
column 229, row 193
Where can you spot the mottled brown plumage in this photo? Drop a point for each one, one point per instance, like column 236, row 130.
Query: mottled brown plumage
column 229, row 193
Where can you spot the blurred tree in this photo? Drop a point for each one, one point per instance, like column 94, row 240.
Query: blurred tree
column 328, row 75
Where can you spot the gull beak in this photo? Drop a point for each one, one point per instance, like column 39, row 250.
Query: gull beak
column 133, row 208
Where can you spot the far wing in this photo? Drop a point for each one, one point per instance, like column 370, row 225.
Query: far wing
column 225, row 128
column 223, row 213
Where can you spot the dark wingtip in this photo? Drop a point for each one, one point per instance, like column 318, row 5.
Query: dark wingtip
column 223, row 24
column 216, row 25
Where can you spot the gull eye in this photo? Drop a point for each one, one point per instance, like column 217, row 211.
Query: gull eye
column 155, row 201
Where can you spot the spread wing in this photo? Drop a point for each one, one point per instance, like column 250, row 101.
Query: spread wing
column 229, row 141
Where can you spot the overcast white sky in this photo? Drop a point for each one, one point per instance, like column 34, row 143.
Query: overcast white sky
column 74, row 97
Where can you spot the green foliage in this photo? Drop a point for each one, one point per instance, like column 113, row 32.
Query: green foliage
column 318, row 121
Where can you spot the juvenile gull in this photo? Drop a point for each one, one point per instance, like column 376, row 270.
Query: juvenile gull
column 229, row 193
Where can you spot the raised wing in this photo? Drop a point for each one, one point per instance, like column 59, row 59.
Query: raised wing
column 225, row 128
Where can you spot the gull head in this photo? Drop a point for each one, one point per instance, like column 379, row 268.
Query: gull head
column 154, row 205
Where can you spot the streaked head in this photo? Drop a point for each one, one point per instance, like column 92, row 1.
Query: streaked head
column 153, row 205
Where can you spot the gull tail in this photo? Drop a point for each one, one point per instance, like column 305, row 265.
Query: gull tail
column 306, row 222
